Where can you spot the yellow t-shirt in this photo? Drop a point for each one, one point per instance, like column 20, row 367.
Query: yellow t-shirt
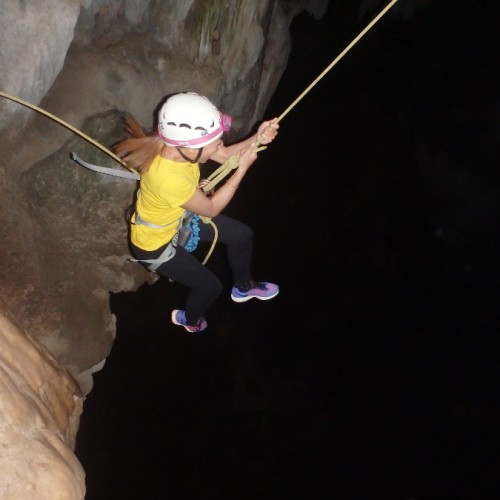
column 163, row 189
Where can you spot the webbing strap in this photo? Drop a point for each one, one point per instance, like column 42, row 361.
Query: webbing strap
column 139, row 220
column 105, row 170
column 231, row 163
column 154, row 264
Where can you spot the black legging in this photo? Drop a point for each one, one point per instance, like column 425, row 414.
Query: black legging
column 187, row 270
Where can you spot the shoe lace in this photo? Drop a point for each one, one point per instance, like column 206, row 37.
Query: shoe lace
column 251, row 285
column 259, row 285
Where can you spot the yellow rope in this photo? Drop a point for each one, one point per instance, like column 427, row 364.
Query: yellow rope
column 338, row 58
column 214, row 241
column 232, row 162
column 65, row 124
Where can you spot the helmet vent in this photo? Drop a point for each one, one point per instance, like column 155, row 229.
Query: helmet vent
column 190, row 120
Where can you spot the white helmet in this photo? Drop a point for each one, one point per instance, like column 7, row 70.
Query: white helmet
column 191, row 120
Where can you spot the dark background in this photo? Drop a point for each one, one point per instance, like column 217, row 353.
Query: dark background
column 375, row 372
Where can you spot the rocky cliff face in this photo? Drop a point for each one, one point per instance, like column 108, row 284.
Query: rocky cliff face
column 40, row 405
column 63, row 236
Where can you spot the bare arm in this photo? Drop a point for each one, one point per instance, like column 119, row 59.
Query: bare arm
column 200, row 204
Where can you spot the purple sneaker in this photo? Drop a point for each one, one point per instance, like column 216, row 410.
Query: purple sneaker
column 259, row 290
column 179, row 318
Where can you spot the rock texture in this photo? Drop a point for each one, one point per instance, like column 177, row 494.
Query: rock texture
column 62, row 234
column 40, row 406
column 47, row 29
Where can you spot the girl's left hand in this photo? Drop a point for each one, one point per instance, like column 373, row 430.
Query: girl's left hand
column 267, row 131
column 202, row 184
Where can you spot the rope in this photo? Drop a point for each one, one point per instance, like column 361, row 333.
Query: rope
column 103, row 170
column 65, row 124
column 214, row 241
column 232, row 162
column 339, row 57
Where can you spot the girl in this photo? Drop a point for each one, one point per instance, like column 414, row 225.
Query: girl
column 189, row 132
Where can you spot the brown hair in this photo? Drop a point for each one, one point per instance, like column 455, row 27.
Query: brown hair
column 140, row 149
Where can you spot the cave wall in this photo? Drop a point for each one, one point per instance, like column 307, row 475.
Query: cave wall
column 40, row 406
column 63, row 233
column 63, row 236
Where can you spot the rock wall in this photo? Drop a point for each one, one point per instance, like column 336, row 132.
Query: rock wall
column 62, row 234
column 40, row 406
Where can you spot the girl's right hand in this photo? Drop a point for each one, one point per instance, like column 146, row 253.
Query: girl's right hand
column 247, row 156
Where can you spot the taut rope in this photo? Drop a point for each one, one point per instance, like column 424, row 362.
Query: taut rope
column 339, row 57
column 232, row 162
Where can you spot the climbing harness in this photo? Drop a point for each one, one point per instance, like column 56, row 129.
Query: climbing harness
column 166, row 255
column 187, row 236
column 179, row 140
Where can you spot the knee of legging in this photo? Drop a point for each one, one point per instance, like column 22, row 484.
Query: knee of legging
column 245, row 233
column 210, row 287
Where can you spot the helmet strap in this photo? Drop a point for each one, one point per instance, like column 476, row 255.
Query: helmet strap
column 200, row 151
